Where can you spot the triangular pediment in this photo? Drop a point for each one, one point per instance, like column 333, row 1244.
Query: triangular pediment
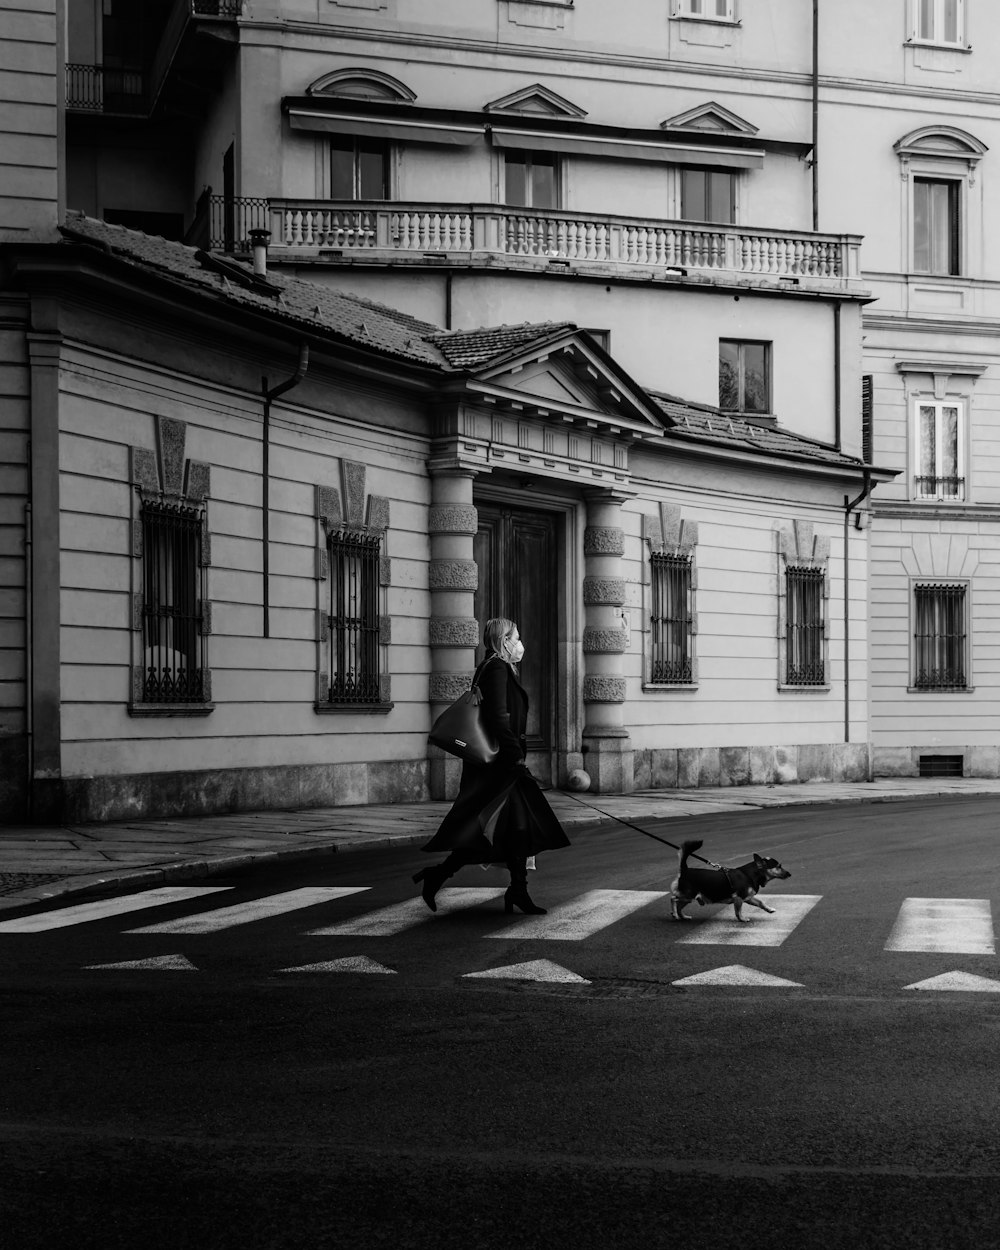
column 535, row 101
column 711, row 118
column 571, row 379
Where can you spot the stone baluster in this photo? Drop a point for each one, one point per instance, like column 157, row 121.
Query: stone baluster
column 454, row 631
column 608, row 755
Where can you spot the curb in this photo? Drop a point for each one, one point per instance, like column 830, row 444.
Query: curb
column 186, row 870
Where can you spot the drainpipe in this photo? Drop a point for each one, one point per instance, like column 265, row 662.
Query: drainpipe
column 269, row 397
column 849, row 506
column 815, row 115
column 29, row 655
column 837, row 432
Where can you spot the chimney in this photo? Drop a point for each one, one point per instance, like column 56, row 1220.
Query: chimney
column 259, row 239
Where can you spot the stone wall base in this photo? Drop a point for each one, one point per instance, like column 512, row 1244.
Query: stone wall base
column 977, row 761
column 697, row 767
column 214, row 791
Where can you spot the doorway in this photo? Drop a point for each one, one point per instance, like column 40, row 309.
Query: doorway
column 517, row 552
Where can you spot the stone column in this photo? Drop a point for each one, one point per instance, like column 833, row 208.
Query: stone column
column 454, row 631
column 608, row 755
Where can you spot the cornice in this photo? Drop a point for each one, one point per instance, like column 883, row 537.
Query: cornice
column 932, row 512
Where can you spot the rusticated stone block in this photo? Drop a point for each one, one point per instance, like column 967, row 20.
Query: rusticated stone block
column 145, row 472
column 604, row 590
column 604, row 641
column 446, row 687
column 206, row 544
column 137, row 537
column 452, row 519
column 378, row 512
column 384, row 571
column 328, row 505
column 734, row 766
column 384, row 630
column 604, row 540
column 453, row 575
column 206, row 617
column 199, row 480
column 353, row 476
column 137, row 605
column 454, row 631
column 385, row 688
column 171, row 438
column 602, row 689
column 652, row 532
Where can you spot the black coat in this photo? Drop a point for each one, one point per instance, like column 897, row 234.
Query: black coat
column 524, row 823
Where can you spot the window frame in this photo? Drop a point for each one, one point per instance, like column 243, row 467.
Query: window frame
column 956, row 217
column 965, row 644
column 385, row 149
column 741, row 409
column 684, row 171
column 658, row 633
column 936, row 38
column 528, row 158
column 797, row 576
column 358, row 634
column 684, row 9
column 937, row 495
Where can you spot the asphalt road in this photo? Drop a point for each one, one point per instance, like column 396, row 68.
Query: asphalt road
column 229, row 1103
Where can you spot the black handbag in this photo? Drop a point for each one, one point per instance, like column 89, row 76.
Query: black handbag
column 460, row 731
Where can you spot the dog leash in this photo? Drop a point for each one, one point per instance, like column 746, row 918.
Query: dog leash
column 656, row 838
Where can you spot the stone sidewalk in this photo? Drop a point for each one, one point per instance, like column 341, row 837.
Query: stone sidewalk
column 39, row 864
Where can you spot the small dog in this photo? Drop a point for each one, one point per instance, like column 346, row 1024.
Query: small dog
column 722, row 885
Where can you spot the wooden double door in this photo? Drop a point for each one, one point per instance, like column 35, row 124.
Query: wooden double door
column 517, row 552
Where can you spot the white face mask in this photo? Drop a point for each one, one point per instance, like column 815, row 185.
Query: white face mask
column 515, row 652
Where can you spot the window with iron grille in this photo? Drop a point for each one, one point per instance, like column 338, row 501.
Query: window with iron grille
column 172, row 633
column 671, row 618
column 354, row 617
column 939, row 451
column 804, row 626
column 940, row 651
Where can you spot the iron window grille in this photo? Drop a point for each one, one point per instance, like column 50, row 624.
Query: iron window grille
column 172, row 636
column 939, row 637
column 804, row 627
column 354, row 617
column 671, row 618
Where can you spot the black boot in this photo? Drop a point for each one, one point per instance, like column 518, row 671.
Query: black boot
column 517, row 894
column 433, row 879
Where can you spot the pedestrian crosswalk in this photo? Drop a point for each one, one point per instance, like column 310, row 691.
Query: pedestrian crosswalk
column 926, row 925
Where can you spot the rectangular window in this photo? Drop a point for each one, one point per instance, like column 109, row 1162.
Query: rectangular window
column 935, row 226
column 939, row 452
column 708, row 195
column 354, row 617
column 172, row 642
column 939, row 637
column 744, row 376
column 804, row 629
column 671, row 619
column 531, row 180
column 359, row 168
column 719, row 10
column 940, row 21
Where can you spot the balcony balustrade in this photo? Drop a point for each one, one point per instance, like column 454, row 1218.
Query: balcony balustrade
column 102, row 89
column 391, row 230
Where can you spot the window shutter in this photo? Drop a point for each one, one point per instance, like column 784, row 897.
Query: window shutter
column 866, row 418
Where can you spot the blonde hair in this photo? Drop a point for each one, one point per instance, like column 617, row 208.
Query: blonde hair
column 496, row 630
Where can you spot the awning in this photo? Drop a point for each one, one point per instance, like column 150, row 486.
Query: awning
column 627, row 149
column 415, row 131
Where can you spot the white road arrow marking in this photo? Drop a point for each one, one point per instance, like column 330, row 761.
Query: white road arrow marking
column 254, row 909
column 533, row 970
column 762, row 930
column 578, row 919
column 353, row 963
column 159, row 963
column 390, row 920
column 950, row 926
column 736, row 974
column 83, row 912
column 957, row 981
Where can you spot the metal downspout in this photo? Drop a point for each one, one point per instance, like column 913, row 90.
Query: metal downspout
column 29, row 657
column 269, row 397
column 815, row 115
column 849, row 506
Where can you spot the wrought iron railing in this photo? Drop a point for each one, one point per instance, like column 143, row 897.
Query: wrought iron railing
column 940, row 637
column 804, row 627
column 670, row 618
column 102, row 89
column 232, row 219
column 926, row 487
column 395, row 228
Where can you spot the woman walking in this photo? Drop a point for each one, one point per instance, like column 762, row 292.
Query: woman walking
column 500, row 814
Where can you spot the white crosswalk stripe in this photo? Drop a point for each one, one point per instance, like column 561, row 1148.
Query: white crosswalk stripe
column 81, row 913
column 953, row 926
column 253, row 909
column 399, row 916
column 761, row 930
column 584, row 916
